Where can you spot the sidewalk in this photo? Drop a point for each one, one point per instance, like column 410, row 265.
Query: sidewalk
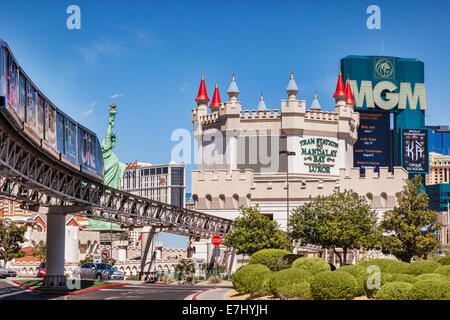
column 211, row 294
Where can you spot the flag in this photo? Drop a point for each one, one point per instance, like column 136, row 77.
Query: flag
column 140, row 236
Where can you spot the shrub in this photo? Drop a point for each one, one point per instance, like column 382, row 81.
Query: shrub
column 253, row 279
column 357, row 271
column 445, row 260
column 397, row 267
column 429, row 290
column 331, row 285
column 313, row 265
column 444, row 270
column 432, row 276
column 385, row 265
column 423, row 266
column 212, row 280
column 394, row 291
column 274, row 259
column 400, row 277
column 370, row 283
column 291, row 283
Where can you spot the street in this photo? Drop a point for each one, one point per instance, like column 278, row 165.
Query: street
column 11, row 291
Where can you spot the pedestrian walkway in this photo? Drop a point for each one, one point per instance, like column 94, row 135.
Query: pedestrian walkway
column 211, row 294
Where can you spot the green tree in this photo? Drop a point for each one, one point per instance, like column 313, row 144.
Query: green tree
column 254, row 231
column 411, row 226
column 11, row 237
column 185, row 267
column 40, row 251
column 341, row 220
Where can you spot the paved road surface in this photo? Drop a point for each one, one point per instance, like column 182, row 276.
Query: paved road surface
column 10, row 291
column 140, row 292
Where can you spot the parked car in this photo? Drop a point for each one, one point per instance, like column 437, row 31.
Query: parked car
column 41, row 271
column 4, row 273
column 98, row 271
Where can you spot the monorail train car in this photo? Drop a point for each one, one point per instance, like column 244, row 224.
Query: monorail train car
column 43, row 124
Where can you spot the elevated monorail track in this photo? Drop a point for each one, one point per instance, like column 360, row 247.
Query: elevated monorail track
column 35, row 179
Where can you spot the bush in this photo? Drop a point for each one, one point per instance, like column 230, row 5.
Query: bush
column 291, row 283
column 397, row 267
column 400, row 277
column 357, row 271
column 445, row 260
column 214, row 279
column 394, row 291
column 370, row 283
column 429, row 290
column 252, row 279
column 444, row 270
column 386, row 265
column 274, row 259
column 424, row 266
column 432, row 276
column 313, row 265
column 331, row 285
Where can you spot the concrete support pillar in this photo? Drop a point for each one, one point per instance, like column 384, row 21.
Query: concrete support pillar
column 148, row 254
column 55, row 277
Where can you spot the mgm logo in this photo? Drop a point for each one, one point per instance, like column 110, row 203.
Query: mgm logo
column 384, row 68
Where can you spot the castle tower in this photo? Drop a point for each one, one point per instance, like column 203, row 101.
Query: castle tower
column 202, row 98
column 233, row 90
column 215, row 103
column 292, row 88
column 261, row 104
column 315, row 105
column 350, row 102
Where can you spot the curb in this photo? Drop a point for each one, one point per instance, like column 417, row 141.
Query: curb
column 153, row 283
column 199, row 293
column 69, row 293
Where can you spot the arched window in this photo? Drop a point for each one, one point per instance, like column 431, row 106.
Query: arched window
column 222, row 201
column 383, row 199
column 235, row 201
column 369, row 197
column 208, row 201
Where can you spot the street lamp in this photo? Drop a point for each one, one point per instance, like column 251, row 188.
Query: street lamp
column 287, row 153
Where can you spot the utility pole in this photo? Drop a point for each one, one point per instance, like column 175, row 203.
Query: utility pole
column 287, row 153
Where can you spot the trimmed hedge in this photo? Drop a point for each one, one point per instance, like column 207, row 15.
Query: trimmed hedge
column 424, row 266
column 387, row 265
column 252, row 279
column 444, row 270
column 429, row 290
column 357, row 271
column 274, row 259
column 401, row 278
column 370, row 285
column 445, row 260
column 432, row 276
column 313, row 265
column 331, row 285
column 291, row 283
column 394, row 291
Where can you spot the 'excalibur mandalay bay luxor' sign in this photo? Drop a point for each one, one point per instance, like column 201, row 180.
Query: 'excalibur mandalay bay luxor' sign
column 390, row 96
column 319, row 154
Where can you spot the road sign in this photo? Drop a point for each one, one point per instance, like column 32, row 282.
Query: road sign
column 216, row 240
column 97, row 258
column 106, row 254
column 216, row 252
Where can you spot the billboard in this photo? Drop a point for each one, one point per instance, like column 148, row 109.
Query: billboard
column 415, row 150
column 372, row 149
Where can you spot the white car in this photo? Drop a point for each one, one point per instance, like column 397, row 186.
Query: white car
column 4, row 273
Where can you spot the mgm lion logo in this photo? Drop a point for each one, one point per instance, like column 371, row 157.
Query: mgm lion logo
column 384, row 68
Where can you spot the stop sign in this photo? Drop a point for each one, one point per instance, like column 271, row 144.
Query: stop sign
column 216, row 240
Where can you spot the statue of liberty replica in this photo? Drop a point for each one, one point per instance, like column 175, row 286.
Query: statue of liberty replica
column 114, row 169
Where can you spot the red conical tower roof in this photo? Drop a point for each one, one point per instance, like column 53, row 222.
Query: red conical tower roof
column 350, row 100
column 340, row 89
column 216, row 98
column 202, row 94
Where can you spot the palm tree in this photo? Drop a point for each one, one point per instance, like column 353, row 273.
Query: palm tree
column 185, row 267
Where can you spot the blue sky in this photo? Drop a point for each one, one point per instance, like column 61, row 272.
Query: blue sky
column 148, row 56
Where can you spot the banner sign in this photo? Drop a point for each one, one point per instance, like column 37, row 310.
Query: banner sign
column 372, row 149
column 415, row 150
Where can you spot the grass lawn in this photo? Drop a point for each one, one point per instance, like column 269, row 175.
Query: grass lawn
column 84, row 284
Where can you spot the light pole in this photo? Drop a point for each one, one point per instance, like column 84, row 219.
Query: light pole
column 287, row 153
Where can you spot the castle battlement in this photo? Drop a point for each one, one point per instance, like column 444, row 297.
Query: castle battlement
column 321, row 115
column 260, row 114
column 221, row 189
